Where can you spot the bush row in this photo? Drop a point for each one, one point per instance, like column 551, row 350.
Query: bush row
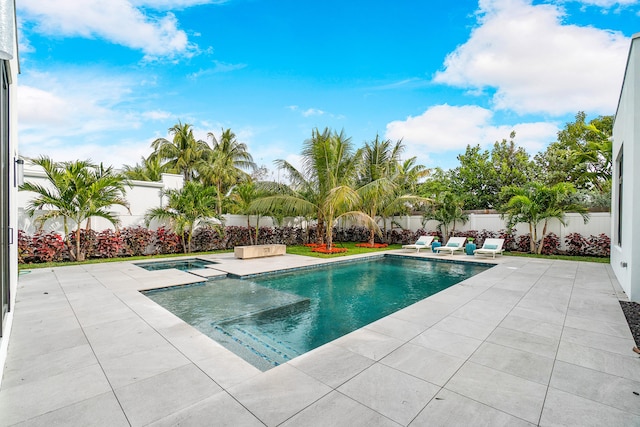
column 135, row 241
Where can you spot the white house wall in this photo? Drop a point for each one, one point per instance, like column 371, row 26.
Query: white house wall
column 625, row 257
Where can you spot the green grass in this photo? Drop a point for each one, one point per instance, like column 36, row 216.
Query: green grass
column 563, row 257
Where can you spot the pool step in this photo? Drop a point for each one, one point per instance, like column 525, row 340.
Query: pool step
column 265, row 352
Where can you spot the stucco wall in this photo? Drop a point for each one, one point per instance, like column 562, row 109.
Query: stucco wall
column 625, row 257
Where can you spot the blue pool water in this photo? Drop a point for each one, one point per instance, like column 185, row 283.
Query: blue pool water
column 183, row 265
column 273, row 318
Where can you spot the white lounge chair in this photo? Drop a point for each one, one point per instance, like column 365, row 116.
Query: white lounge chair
column 423, row 242
column 454, row 244
column 490, row 247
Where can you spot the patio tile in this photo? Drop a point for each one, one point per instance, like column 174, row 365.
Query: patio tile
column 535, row 327
column 524, row 341
column 100, row 411
column 278, row 394
column 451, row 409
column 514, row 395
column 484, row 311
column 137, row 366
column 563, row 409
column 467, row 328
column 331, row 364
column 447, row 342
column 165, row 394
column 396, row 328
column 41, row 366
column 539, row 315
column 522, row 364
column 401, row 398
column 337, row 409
column 220, row 410
column 498, row 295
column 35, row 398
column 426, row 364
column 620, row 330
column 368, row 343
column 599, row 341
column 29, row 346
column 121, row 337
column 600, row 360
column 598, row 386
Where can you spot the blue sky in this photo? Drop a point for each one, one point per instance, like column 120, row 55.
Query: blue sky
column 101, row 80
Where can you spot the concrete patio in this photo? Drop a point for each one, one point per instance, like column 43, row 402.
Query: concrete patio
column 528, row 342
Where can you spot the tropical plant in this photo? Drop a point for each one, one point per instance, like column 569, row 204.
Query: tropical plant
column 77, row 191
column 447, row 209
column 537, row 203
column 323, row 187
column 382, row 179
column 227, row 165
column 183, row 154
column 187, row 208
column 149, row 169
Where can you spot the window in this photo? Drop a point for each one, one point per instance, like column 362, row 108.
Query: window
column 619, row 166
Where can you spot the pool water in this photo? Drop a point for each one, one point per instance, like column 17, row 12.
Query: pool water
column 273, row 318
column 183, row 265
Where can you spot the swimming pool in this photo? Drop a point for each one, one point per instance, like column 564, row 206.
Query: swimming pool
column 273, row 318
column 183, row 265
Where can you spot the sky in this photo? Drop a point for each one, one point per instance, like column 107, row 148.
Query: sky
column 101, row 80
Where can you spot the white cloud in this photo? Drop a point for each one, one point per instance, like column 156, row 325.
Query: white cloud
column 117, row 21
column 173, row 4
column 445, row 128
column 69, row 116
column 312, row 112
column 607, row 3
column 537, row 64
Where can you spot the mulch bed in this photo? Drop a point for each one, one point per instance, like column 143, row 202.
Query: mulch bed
column 632, row 313
column 375, row 245
column 323, row 250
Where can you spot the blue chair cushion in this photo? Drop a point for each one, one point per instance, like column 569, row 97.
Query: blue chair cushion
column 420, row 243
column 491, row 246
column 453, row 245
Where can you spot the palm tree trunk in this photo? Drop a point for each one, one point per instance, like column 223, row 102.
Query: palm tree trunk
column 79, row 256
column 544, row 233
column 249, row 230
column 533, row 237
column 372, row 237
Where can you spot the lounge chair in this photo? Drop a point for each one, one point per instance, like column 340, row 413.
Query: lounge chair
column 490, row 247
column 454, row 244
column 423, row 242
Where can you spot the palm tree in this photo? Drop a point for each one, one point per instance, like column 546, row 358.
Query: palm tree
column 183, row 154
column 187, row 208
column 323, row 187
column 538, row 203
column 149, row 169
column 77, row 191
column 227, row 165
column 382, row 181
column 447, row 209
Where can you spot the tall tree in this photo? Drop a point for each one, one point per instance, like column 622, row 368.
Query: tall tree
column 582, row 155
column 230, row 163
column 149, row 169
column 77, row 191
column 187, row 208
column 183, row 154
column 447, row 210
column 536, row 203
column 323, row 187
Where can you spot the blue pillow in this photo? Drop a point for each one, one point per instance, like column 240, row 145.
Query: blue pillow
column 453, row 245
column 491, row 246
column 420, row 242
